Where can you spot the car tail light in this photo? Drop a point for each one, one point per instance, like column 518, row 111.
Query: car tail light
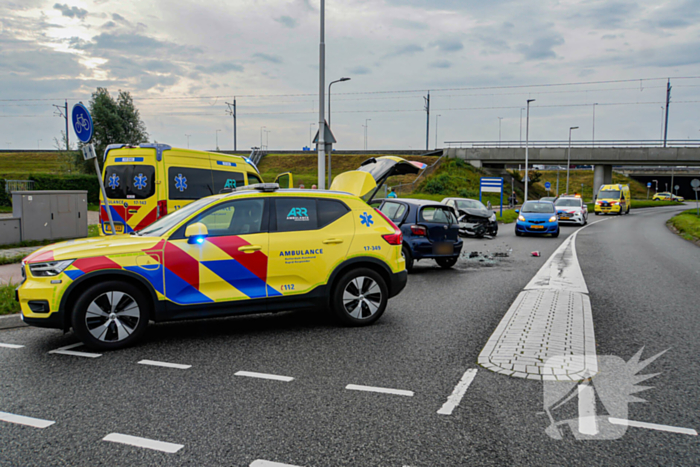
column 419, row 230
column 392, row 239
column 162, row 209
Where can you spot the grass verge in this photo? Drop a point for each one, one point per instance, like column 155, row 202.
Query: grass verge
column 8, row 305
column 687, row 224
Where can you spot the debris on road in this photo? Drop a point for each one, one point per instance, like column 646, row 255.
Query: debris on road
column 535, row 253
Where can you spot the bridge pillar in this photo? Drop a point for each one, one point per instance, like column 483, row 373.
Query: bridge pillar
column 602, row 175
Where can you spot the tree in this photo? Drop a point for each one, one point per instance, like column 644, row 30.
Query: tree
column 115, row 122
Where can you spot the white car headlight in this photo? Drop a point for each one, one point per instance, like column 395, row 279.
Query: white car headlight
column 50, row 268
column 553, row 219
column 492, row 218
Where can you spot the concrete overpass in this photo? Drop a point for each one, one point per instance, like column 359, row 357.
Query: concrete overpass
column 603, row 159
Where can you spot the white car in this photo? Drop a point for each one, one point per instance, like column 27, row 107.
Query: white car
column 571, row 209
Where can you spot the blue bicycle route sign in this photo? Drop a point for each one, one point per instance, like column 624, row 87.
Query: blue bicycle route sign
column 82, row 123
column 547, row 185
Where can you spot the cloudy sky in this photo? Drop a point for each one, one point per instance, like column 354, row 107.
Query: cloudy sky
column 481, row 60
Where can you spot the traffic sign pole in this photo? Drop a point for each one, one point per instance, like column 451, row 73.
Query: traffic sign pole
column 83, row 127
column 695, row 183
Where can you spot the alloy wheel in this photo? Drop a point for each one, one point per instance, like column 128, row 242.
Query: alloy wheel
column 112, row 316
column 362, row 297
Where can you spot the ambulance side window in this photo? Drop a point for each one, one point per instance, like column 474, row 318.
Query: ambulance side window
column 189, row 183
column 223, row 179
column 253, row 179
column 294, row 214
column 239, row 217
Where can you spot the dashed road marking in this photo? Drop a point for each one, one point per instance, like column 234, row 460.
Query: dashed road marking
column 66, row 351
column 22, row 420
column 398, row 392
column 11, row 346
column 263, row 463
column 653, row 426
column 165, row 364
column 253, row 374
column 458, row 392
column 143, row 442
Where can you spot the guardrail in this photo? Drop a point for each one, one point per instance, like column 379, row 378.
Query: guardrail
column 18, row 185
column 620, row 143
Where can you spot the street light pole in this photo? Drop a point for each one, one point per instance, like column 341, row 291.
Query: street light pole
column 311, row 141
column 499, row 130
column 593, row 141
column 217, row 139
column 436, row 130
column 188, row 141
column 521, row 126
column 321, row 98
column 568, row 159
column 329, row 122
column 261, row 130
column 267, row 139
column 527, row 144
column 366, row 132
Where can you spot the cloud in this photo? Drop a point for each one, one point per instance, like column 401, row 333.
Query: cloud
column 609, row 36
column 441, row 64
column 268, row 58
column 71, row 12
column 359, row 70
column 447, row 45
column 541, row 49
column 220, row 68
column 287, row 21
column 118, row 17
column 409, row 49
column 604, row 14
column 137, row 44
column 676, row 15
column 408, row 24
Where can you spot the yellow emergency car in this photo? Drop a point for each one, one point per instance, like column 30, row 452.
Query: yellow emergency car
column 613, row 199
column 256, row 249
column 146, row 182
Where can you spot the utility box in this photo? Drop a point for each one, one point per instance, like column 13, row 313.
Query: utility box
column 10, row 231
column 51, row 215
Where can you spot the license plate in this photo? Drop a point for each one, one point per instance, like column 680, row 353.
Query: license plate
column 118, row 228
column 566, row 217
column 538, row 227
column 443, row 248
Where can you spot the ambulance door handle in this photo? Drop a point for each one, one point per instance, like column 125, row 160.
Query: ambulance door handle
column 250, row 248
column 333, row 240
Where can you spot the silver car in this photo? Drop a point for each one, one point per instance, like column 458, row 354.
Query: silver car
column 571, row 209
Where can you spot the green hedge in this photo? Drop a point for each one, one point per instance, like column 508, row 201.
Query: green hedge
column 4, row 197
column 69, row 182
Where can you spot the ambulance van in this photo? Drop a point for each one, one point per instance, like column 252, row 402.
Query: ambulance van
column 144, row 183
column 613, row 199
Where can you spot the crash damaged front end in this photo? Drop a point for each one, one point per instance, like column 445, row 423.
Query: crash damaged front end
column 477, row 224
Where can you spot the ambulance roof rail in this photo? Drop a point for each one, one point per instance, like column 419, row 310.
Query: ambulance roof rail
column 264, row 187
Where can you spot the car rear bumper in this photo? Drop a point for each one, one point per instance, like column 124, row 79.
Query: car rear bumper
column 424, row 250
column 397, row 283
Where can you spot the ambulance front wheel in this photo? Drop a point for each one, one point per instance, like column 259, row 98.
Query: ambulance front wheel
column 359, row 297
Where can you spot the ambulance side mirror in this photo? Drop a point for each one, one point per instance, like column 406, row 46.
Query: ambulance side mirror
column 195, row 233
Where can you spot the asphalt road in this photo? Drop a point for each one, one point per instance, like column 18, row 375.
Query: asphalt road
column 643, row 283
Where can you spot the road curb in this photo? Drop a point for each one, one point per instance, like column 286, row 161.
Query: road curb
column 11, row 322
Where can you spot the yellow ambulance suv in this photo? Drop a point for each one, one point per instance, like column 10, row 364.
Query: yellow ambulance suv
column 146, row 182
column 613, row 199
column 256, row 249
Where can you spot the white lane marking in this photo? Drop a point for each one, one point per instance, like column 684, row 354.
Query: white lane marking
column 143, row 442
column 253, row 374
column 458, row 392
column 586, row 410
column 165, row 364
column 22, row 420
column 11, row 346
column 398, row 392
column 66, row 351
column 653, row 426
column 263, row 463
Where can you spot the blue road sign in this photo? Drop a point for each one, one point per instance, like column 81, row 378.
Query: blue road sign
column 547, row 185
column 82, row 123
column 648, row 184
column 491, row 185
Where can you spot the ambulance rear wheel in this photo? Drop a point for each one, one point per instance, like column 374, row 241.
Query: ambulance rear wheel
column 359, row 297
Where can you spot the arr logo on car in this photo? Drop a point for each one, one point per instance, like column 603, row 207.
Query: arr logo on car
column 298, row 214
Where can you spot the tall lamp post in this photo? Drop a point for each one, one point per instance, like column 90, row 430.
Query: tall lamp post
column 261, row 130
column 217, row 139
column 267, row 139
column 366, row 120
column 321, row 103
column 329, row 122
column 188, row 141
column 436, row 129
column 499, row 130
column 568, row 159
column 310, row 137
column 527, row 144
